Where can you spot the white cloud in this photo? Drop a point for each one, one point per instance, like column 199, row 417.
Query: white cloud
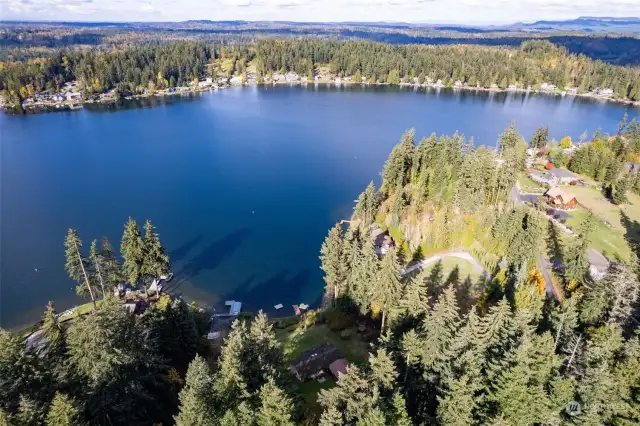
column 452, row 11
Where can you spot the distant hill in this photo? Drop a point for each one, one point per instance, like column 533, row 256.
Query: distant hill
column 586, row 23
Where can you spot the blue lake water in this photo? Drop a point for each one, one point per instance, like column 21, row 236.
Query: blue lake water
column 242, row 184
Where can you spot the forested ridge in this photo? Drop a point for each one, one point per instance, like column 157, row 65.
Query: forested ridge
column 448, row 350
column 133, row 69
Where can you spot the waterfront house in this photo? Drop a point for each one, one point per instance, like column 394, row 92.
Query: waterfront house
column 560, row 199
column 313, row 362
column 546, row 87
column 382, row 242
column 236, row 80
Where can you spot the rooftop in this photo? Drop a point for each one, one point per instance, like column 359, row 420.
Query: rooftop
column 561, row 173
column 555, row 192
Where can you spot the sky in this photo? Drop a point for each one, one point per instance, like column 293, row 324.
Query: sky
column 418, row 11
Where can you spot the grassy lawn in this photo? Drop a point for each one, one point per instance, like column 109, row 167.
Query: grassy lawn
column 607, row 240
column 610, row 241
column 354, row 350
column 465, row 268
column 527, row 185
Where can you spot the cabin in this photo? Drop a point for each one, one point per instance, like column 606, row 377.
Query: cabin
column 313, row 362
column 560, row 199
column 338, row 367
column 598, row 264
column 221, row 323
column 382, row 241
column 136, row 307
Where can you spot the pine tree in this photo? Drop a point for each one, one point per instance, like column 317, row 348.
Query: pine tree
column 155, row 262
column 397, row 166
column 383, row 373
column 540, row 138
column 575, row 257
column 364, row 273
column 76, row 264
column 400, row 416
column 351, row 397
column 31, row 412
column 621, row 188
column 611, row 299
column 388, row 289
column 276, row 408
column 63, row 412
column 54, row 350
column 415, row 301
column 331, row 262
column 456, row 407
column 196, row 398
column 20, row 371
column 5, row 419
column 519, row 390
column 111, row 268
column 132, row 248
column 95, row 260
column 438, row 330
column 115, row 355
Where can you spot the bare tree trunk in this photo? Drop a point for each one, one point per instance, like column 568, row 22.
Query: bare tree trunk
column 573, row 353
column 335, row 293
column 555, row 344
column 384, row 317
column 86, row 278
column 100, row 276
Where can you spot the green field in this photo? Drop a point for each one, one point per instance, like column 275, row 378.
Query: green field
column 464, row 268
column 355, row 351
column 527, row 185
column 609, row 240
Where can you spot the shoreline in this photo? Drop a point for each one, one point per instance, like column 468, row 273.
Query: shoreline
column 36, row 108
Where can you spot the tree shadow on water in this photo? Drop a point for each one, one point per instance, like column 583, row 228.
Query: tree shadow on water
column 281, row 288
column 181, row 252
column 212, row 255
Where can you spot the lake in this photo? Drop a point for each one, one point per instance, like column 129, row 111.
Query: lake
column 242, row 184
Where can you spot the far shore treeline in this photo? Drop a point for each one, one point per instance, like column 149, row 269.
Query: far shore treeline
column 132, row 70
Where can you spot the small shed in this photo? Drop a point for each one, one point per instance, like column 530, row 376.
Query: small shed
column 338, row 367
column 313, row 362
column 560, row 199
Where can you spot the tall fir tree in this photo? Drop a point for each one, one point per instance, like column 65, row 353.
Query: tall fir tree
column 63, row 411
column 95, row 261
column 388, row 288
column 155, row 262
column 132, row 249
column 196, row 398
column 276, row 408
column 111, row 268
column 331, row 262
column 76, row 264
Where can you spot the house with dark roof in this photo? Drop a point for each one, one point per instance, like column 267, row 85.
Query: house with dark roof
column 382, row 241
column 555, row 176
column 314, row 362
